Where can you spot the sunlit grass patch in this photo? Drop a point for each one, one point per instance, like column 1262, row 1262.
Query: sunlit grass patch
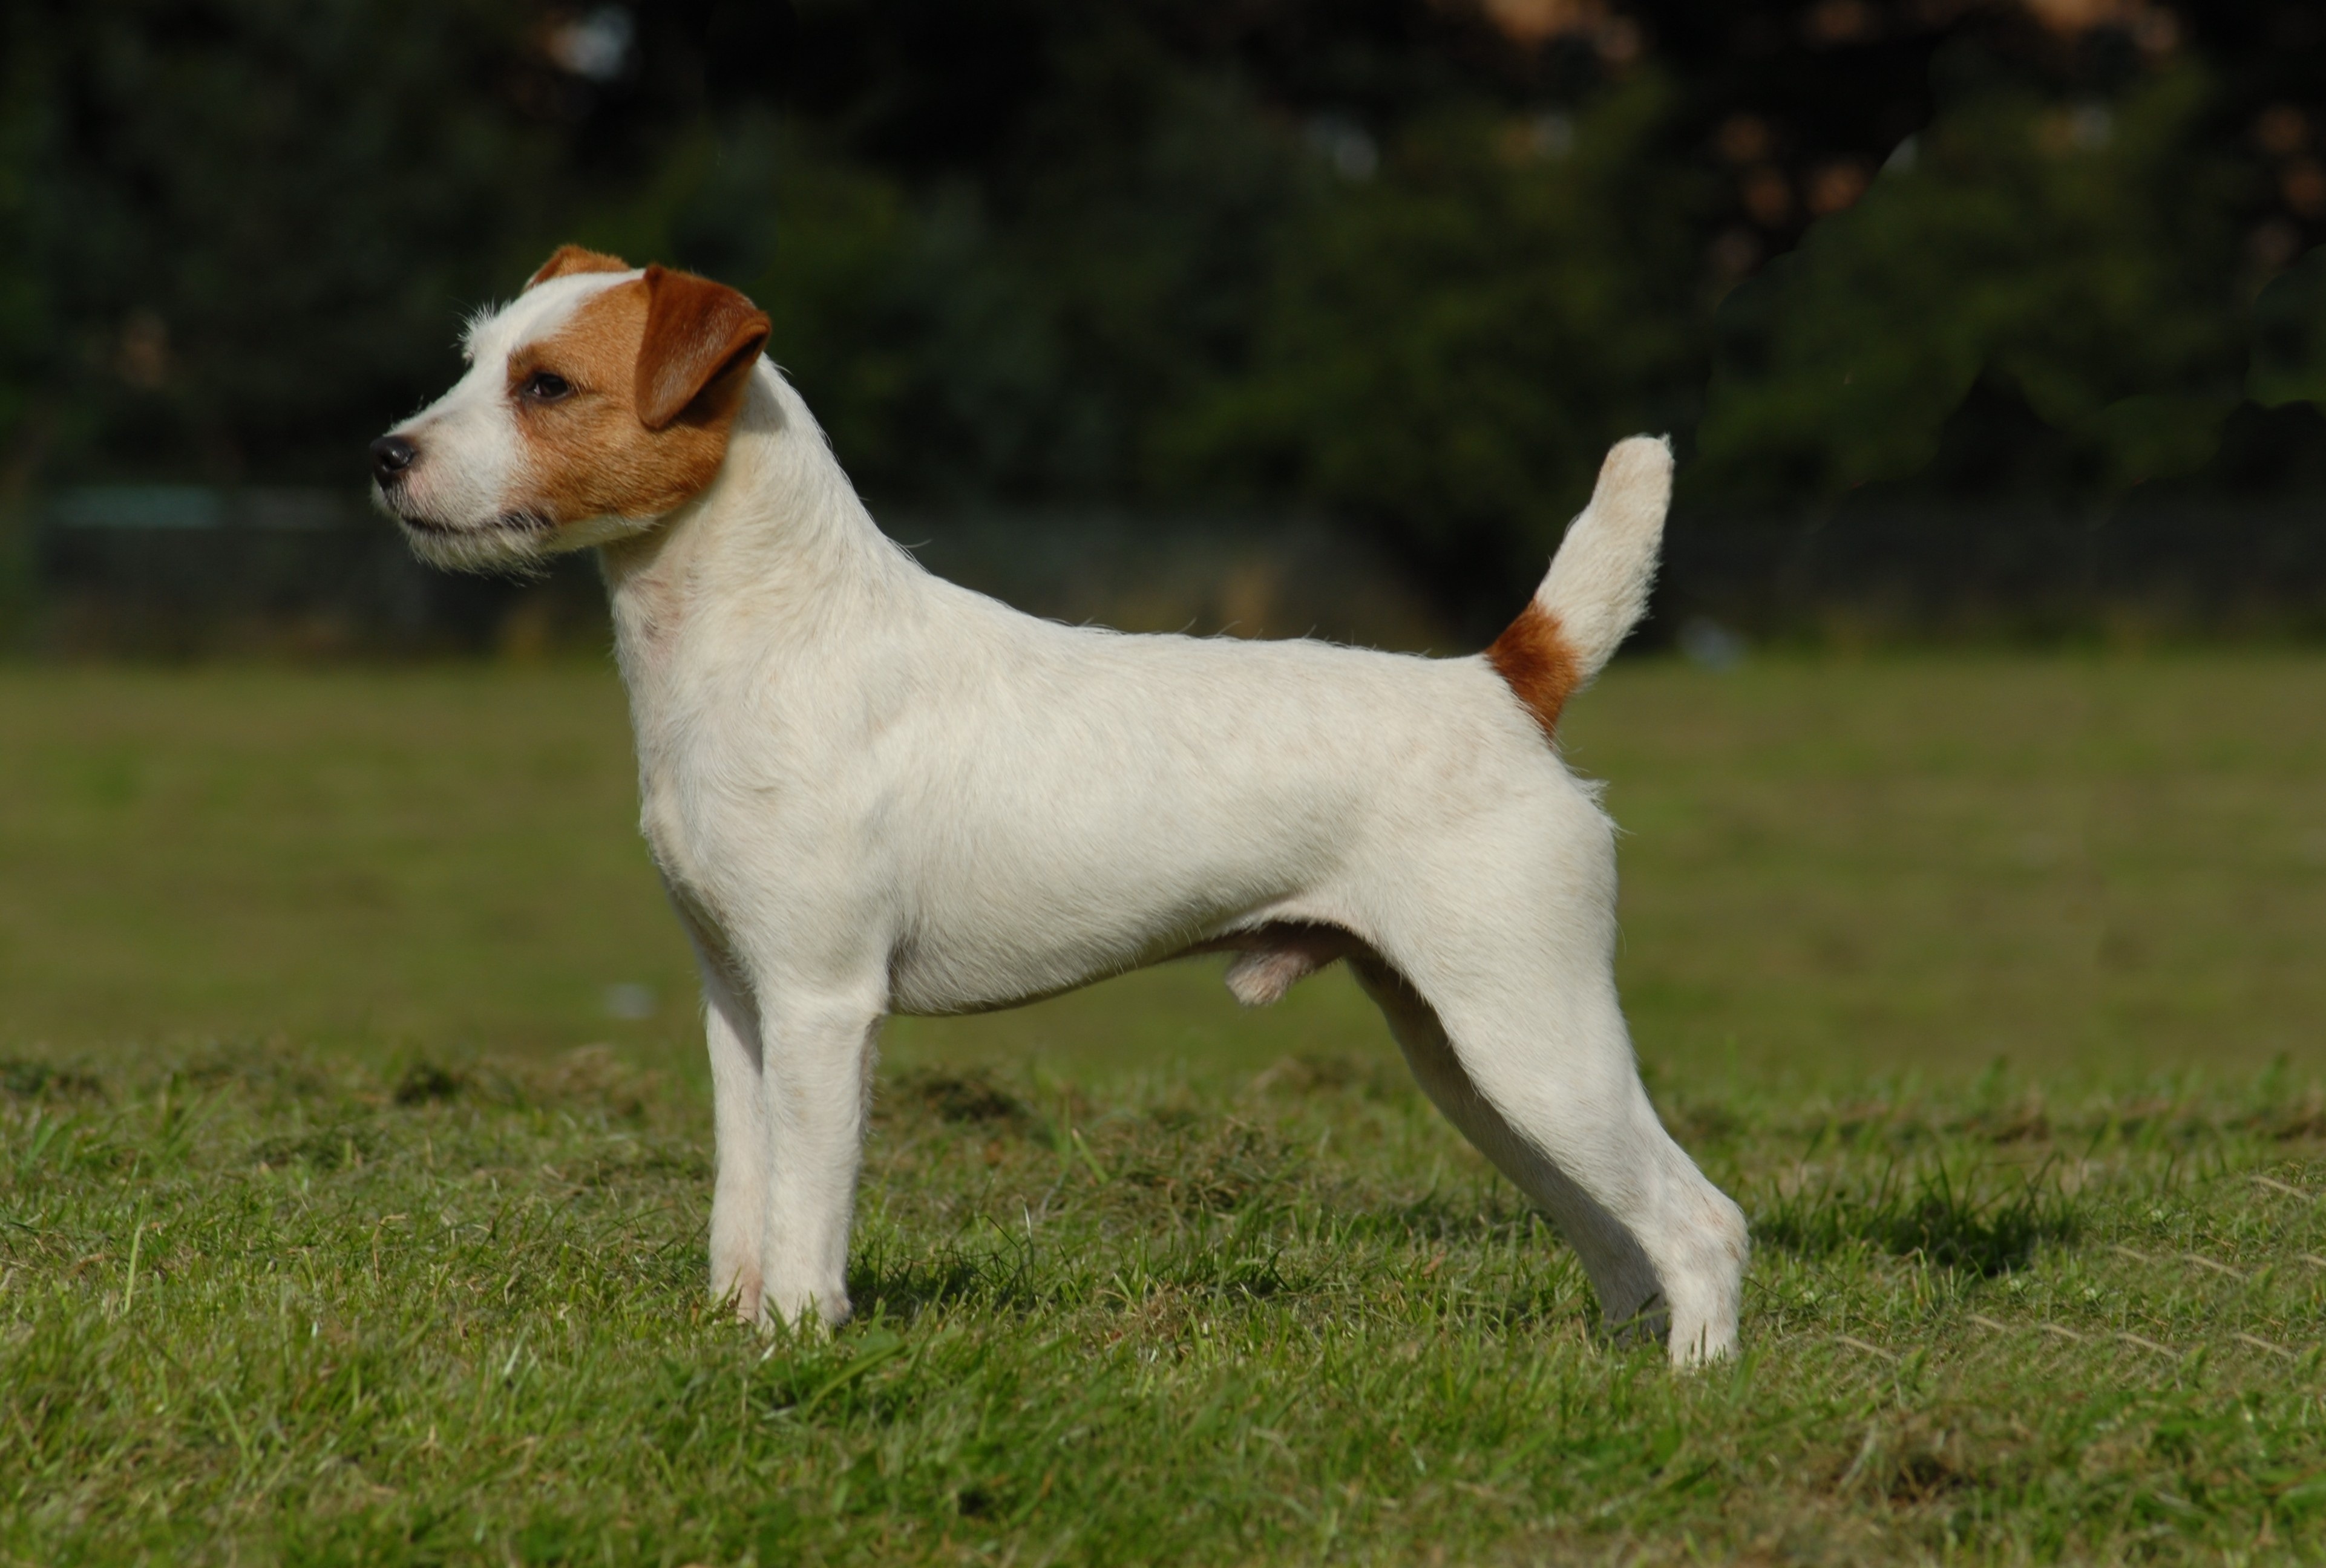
column 1947, row 1217
column 267, row 1304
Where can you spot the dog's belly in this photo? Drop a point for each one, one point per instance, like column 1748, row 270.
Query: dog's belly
column 923, row 986
column 1035, row 879
column 1000, row 942
column 1271, row 956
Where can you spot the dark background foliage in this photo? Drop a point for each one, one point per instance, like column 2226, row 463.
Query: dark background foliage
column 1405, row 265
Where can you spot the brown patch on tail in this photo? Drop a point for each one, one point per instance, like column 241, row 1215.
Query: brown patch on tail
column 1534, row 657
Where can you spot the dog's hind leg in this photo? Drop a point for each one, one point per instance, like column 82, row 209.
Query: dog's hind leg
column 1551, row 1095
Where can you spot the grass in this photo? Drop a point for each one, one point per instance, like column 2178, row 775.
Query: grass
column 341, row 1222
column 268, row 1306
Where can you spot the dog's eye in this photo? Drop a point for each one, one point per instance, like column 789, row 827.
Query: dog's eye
column 545, row 386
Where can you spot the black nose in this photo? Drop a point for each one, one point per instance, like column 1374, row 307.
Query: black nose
column 390, row 456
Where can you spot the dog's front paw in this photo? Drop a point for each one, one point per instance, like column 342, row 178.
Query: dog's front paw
column 1701, row 1344
column 804, row 1307
column 741, row 1295
column 735, row 1278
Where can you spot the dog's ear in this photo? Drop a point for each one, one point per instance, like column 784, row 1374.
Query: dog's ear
column 700, row 342
column 573, row 258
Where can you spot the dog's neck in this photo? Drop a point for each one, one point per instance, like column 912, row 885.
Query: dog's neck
column 781, row 517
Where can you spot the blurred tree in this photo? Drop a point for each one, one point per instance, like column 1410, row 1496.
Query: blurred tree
column 254, row 223
column 1407, row 262
column 25, row 306
column 2079, row 255
column 2289, row 355
column 1450, row 344
column 24, row 312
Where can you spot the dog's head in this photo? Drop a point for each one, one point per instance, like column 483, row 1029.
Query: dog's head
column 596, row 403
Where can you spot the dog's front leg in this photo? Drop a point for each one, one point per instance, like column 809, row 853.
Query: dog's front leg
column 739, row 1201
column 730, row 1029
column 816, row 1062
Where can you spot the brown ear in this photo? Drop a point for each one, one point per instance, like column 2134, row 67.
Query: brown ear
column 572, row 259
column 697, row 333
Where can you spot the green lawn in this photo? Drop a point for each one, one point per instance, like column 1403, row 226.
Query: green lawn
column 2099, row 867
column 341, row 1220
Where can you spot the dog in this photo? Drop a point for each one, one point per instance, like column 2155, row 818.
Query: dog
column 869, row 791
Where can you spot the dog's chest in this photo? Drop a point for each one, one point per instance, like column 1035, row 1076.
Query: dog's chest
column 694, row 801
column 735, row 804
column 680, row 802
column 677, row 686
column 664, row 824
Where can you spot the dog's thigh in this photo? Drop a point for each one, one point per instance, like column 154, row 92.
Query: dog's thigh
column 817, row 1054
column 1541, row 1076
column 739, row 1197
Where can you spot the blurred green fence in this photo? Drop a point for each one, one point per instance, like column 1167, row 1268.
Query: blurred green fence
column 178, row 571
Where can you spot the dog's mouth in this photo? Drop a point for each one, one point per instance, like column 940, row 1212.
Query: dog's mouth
column 505, row 543
column 507, row 523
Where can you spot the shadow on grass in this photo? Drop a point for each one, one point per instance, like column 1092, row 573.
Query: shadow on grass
column 887, row 1282
column 1935, row 1215
column 1015, row 1275
column 44, row 1080
column 967, row 1096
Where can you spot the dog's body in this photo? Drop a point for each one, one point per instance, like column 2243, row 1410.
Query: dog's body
column 870, row 791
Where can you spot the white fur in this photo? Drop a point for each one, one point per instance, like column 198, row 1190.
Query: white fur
column 870, row 791
column 1598, row 585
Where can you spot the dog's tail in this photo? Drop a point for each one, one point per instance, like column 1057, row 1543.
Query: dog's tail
column 1598, row 585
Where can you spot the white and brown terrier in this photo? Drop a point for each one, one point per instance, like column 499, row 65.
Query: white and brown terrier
column 871, row 792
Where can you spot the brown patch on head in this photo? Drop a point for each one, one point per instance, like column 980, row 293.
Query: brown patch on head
column 573, row 258
column 697, row 332
column 653, row 371
column 1535, row 658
